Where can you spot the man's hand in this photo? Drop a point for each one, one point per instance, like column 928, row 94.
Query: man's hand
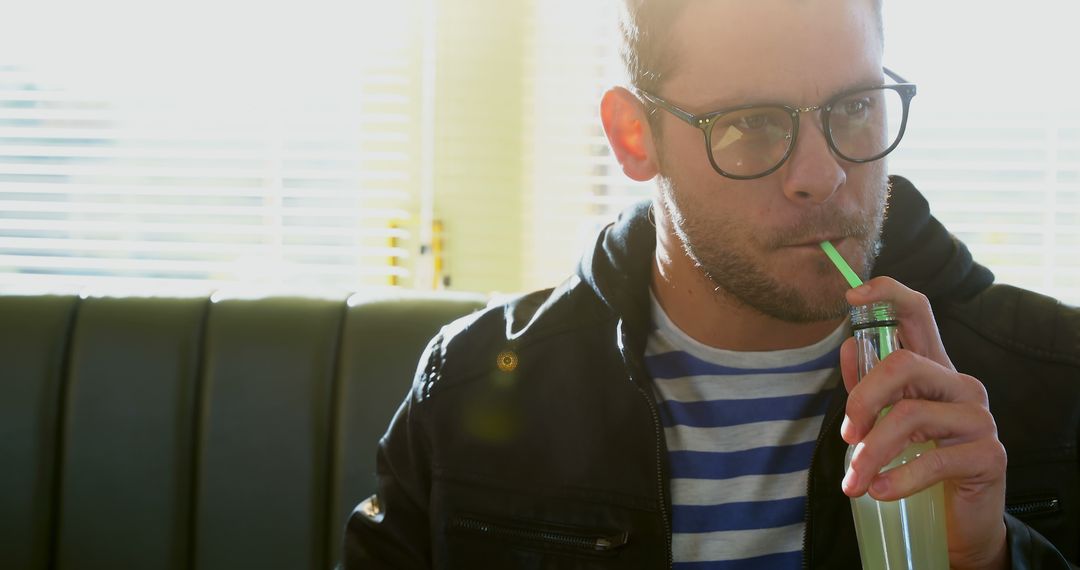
column 931, row 401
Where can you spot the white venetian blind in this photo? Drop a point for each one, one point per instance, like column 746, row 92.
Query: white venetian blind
column 993, row 140
column 193, row 146
column 575, row 184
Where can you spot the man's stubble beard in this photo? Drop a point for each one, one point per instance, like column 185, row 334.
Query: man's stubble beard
column 738, row 273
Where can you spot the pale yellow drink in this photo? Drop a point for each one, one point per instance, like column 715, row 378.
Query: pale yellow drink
column 904, row 534
column 908, row 534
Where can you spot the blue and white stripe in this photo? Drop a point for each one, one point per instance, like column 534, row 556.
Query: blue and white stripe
column 741, row 429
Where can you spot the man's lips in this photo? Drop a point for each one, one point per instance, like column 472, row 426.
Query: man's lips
column 816, row 242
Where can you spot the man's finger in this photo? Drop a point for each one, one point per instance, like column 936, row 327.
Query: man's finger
column 849, row 363
column 918, row 329
column 914, row 421
column 976, row 464
column 905, row 375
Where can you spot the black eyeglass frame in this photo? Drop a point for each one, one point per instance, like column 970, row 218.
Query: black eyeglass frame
column 706, row 121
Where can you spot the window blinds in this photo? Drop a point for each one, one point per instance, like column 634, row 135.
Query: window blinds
column 289, row 163
column 575, row 184
column 994, row 140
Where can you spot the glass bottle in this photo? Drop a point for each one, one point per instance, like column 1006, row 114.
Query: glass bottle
column 908, row 533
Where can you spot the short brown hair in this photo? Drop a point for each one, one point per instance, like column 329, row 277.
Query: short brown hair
column 644, row 26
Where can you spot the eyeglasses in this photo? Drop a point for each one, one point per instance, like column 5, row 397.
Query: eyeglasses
column 751, row 141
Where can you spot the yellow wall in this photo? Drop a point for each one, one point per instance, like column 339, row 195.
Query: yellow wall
column 479, row 105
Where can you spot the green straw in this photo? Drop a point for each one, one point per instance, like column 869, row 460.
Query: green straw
column 840, row 264
column 854, row 281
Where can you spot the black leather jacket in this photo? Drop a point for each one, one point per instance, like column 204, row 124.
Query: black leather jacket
column 530, row 438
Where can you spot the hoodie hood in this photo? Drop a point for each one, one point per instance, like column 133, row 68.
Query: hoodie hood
column 916, row 251
column 919, row 252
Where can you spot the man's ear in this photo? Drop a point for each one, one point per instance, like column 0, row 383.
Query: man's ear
column 628, row 133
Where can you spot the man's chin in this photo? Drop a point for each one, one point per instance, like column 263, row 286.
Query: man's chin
column 792, row 304
column 808, row 310
column 828, row 307
column 814, row 296
column 793, row 287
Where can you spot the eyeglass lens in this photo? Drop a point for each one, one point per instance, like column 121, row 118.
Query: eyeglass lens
column 862, row 125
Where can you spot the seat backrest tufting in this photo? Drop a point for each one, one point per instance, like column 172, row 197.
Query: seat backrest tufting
column 176, row 433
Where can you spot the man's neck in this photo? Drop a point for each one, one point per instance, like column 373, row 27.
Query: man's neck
column 715, row 318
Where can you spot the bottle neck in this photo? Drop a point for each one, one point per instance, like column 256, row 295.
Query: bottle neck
column 876, row 334
column 880, row 314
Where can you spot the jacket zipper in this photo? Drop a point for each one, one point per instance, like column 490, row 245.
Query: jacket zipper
column 827, row 426
column 553, row 537
column 1037, row 507
column 651, row 403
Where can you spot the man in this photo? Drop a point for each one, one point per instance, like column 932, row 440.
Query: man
column 678, row 402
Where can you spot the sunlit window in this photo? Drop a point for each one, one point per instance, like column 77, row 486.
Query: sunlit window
column 194, row 146
column 995, row 137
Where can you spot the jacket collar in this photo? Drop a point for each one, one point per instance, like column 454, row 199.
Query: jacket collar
column 917, row 251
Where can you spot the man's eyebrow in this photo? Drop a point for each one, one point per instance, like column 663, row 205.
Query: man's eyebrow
column 733, row 100
column 864, row 83
column 740, row 98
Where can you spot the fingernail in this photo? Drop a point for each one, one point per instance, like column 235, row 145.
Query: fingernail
column 863, row 289
column 847, row 430
column 850, row 479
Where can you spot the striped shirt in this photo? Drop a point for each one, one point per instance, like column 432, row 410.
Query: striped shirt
column 740, row 430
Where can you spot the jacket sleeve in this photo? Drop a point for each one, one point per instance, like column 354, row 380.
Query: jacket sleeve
column 390, row 528
column 1029, row 550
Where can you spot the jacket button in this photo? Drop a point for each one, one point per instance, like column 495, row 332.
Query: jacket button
column 507, row 361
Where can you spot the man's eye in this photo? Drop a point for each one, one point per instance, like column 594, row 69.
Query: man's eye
column 753, row 122
column 855, row 108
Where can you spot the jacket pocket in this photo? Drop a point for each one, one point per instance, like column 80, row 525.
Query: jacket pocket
column 477, row 541
column 1033, row 507
column 541, row 535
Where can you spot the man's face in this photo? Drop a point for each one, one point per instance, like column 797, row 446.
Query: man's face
column 756, row 239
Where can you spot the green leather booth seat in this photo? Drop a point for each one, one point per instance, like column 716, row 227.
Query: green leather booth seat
column 197, row 433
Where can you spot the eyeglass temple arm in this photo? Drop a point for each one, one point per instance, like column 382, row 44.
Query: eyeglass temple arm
column 892, row 75
column 685, row 116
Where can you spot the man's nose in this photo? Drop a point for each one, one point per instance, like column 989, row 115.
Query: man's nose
column 812, row 174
